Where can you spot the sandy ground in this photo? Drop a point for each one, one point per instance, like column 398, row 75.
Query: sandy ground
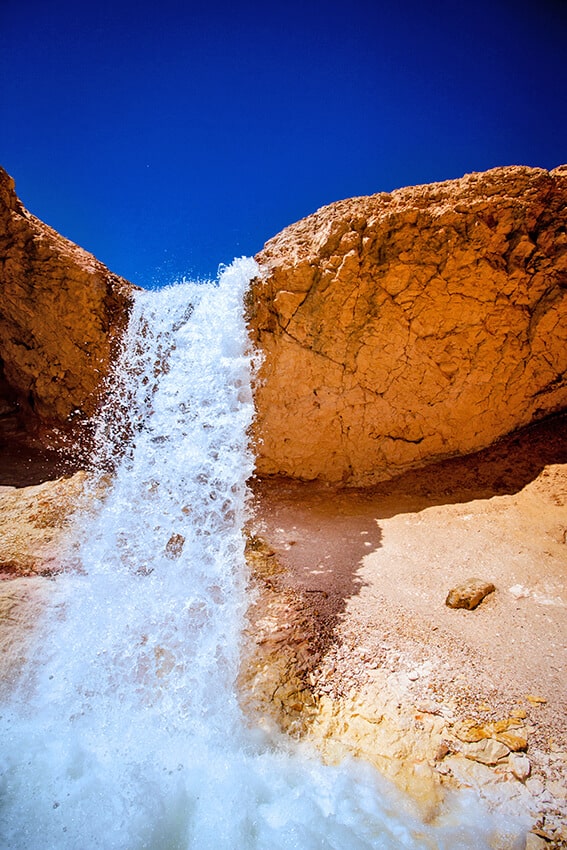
column 372, row 569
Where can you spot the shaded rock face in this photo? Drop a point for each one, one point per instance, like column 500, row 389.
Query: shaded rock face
column 406, row 327
column 61, row 315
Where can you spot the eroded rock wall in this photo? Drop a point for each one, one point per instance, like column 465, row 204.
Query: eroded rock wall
column 400, row 328
column 61, row 314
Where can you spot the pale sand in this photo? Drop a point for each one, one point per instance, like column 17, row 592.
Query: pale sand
column 367, row 573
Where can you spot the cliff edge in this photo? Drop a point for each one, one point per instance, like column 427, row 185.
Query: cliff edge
column 407, row 327
column 61, row 314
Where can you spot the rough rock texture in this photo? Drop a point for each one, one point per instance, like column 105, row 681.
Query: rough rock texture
column 469, row 594
column 34, row 525
column 22, row 602
column 405, row 327
column 36, row 543
column 61, row 313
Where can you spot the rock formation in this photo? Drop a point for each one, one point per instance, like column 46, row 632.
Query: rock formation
column 61, row 313
column 406, row 327
column 36, row 542
column 396, row 329
column 34, row 526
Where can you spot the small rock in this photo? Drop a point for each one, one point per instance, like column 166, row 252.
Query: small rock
column 504, row 724
column 536, row 700
column 174, row 546
column 487, row 751
column 442, row 750
column 512, row 741
column 469, row 594
column 534, row 842
column 535, row 786
column 470, row 732
column 471, row 773
column 520, row 766
column 413, row 676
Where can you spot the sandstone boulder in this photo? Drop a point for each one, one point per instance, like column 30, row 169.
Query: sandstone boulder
column 405, row 327
column 61, row 314
column 469, row 594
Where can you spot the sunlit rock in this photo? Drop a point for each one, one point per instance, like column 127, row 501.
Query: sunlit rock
column 487, row 751
column 469, row 594
column 35, row 524
column 399, row 328
column 520, row 766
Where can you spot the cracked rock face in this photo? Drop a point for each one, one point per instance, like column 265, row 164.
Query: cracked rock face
column 406, row 327
column 61, row 313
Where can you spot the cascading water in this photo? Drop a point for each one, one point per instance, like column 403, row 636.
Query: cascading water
column 126, row 732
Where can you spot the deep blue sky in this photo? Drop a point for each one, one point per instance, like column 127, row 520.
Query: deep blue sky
column 168, row 137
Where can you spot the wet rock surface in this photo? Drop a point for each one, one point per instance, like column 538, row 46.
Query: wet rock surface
column 36, row 543
column 34, row 526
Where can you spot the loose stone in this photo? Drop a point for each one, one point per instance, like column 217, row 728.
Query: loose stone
column 469, row 594
column 520, row 766
column 512, row 741
column 487, row 751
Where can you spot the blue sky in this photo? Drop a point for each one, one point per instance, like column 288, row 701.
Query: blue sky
column 171, row 136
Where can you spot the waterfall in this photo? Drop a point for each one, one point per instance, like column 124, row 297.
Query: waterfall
column 125, row 733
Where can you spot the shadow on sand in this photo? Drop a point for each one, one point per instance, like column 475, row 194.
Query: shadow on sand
column 321, row 534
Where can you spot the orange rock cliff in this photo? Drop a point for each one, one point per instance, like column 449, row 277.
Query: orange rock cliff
column 396, row 328
column 404, row 327
column 61, row 315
